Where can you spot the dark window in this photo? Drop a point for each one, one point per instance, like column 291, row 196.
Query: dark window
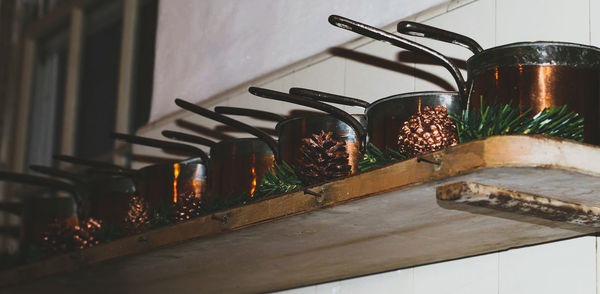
column 47, row 100
column 99, row 81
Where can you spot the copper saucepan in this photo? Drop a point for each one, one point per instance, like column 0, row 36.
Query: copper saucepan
column 162, row 184
column 294, row 133
column 237, row 166
column 38, row 212
column 109, row 194
column 532, row 74
column 386, row 116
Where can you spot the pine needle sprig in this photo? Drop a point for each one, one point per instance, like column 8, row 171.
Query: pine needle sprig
column 508, row 119
column 374, row 158
column 282, row 179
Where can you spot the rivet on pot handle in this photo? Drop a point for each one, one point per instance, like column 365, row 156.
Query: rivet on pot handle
column 398, row 41
column 230, row 122
column 336, row 112
column 425, row 31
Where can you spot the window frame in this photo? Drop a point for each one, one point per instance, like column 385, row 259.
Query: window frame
column 74, row 13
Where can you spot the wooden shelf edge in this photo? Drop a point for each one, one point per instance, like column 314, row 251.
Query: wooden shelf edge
column 493, row 152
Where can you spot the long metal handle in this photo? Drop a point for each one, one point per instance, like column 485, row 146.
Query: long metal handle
column 165, row 145
column 250, row 113
column 51, row 171
column 77, row 192
column 89, row 162
column 336, row 112
column 230, row 122
column 398, row 41
column 426, row 31
column 328, row 97
column 38, row 181
column 188, row 138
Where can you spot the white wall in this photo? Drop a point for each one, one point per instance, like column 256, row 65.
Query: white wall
column 569, row 266
column 206, row 47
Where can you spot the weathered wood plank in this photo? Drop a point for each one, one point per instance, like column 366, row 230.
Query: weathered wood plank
column 473, row 194
column 298, row 239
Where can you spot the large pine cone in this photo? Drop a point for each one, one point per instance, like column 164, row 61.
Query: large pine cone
column 61, row 236
column 427, row 131
column 322, row 157
column 138, row 217
column 187, row 206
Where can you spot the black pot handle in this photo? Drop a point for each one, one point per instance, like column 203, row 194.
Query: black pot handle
column 260, row 114
column 336, row 112
column 422, row 30
column 230, row 122
column 328, row 97
column 76, row 191
column 51, row 171
column 165, row 145
column 90, row 163
column 188, row 138
column 398, row 41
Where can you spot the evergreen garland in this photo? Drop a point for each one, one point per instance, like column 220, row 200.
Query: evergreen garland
column 508, row 119
column 282, row 179
column 374, row 158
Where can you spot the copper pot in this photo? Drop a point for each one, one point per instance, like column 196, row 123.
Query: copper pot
column 531, row 74
column 161, row 184
column 350, row 128
column 237, row 166
column 386, row 116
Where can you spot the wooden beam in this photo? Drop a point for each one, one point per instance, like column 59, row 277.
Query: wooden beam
column 478, row 195
column 73, row 76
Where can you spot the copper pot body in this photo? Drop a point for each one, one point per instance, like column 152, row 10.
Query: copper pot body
column 386, row 116
column 39, row 212
column 291, row 132
column 109, row 200
column 161, row 184
column 238, row 166
column 540, row 75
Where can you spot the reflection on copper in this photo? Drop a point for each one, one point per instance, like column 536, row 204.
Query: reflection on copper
column 175, row 176
column 541, row 86
column 419, row 107
column 253, row 182
column 198, row 183
column 542, row 75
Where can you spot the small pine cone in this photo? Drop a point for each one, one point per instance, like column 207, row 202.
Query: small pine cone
column 86, row 233
column 138, row 216
column 187, row 207
column 61, row 236
column 427, row 131
column 322, row 157
column 58, row 237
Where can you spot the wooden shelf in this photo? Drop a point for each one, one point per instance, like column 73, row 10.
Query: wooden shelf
column 385, row 219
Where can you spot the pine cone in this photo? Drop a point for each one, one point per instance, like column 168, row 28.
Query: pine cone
column 322, row 157
column 138, row 217
column 427, row 131
column 61, row 236
column 187, row 206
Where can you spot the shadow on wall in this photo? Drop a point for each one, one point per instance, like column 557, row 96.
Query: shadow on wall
column 404, row 57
